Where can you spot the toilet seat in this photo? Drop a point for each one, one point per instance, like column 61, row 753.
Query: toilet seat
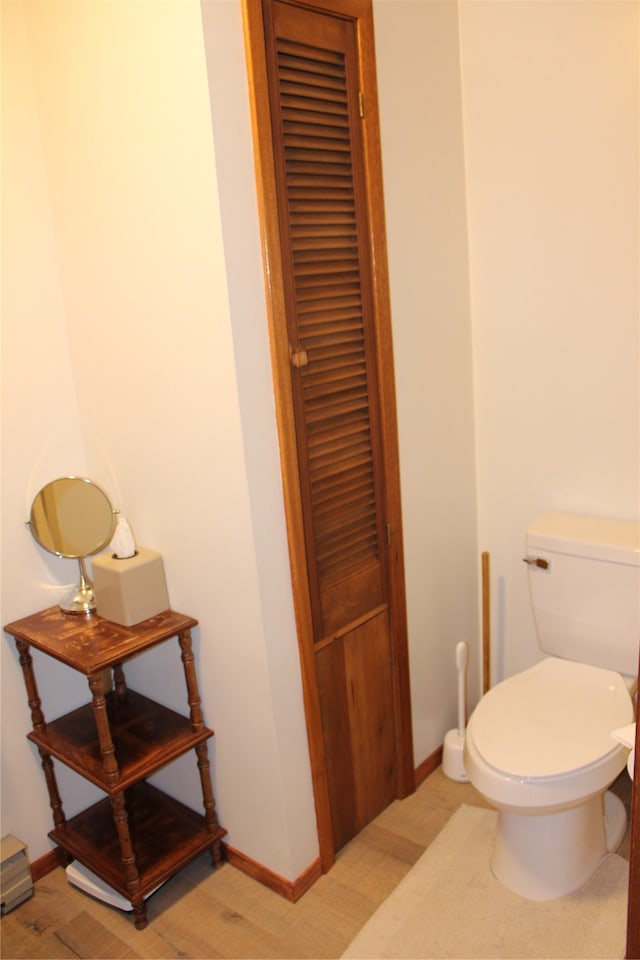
column 552, row 719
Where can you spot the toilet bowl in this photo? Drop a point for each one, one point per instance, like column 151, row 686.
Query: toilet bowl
column 538, row 747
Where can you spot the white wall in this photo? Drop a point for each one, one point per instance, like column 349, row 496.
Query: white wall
column 41, row 432
column 134, row 345
column 550, row 96
column 417, row 52
column 136, row 320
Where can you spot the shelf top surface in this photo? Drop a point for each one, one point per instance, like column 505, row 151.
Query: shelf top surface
column 89, row 643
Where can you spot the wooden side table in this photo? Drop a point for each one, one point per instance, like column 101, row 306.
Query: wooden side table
column 138, row 836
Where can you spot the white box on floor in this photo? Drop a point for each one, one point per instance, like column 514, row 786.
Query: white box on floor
column 16, row 882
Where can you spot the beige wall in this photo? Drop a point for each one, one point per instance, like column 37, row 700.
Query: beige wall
column 423, row 158
column 115, row 168
column 550, row 96
column 135, row 347
column 41, row 431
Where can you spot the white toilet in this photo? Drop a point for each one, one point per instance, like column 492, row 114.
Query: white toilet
column 538, row 746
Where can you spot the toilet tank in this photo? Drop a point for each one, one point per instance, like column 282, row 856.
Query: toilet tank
column 586, row 601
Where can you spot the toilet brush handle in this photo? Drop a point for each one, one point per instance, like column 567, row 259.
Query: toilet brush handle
column 461, row 664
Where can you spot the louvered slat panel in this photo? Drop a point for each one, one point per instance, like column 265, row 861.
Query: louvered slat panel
column 359, row 491
column 313, row 294
column 336, row 331
column 300, row 197
column 339, row 408
column 324, row 242
column 355, row 498
column 340, row 381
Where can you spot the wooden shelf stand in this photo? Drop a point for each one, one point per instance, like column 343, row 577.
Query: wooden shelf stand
column 137, row 836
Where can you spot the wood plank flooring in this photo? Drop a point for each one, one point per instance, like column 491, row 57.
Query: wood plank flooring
column 200, row 913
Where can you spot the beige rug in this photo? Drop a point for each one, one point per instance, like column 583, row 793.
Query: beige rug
column 451, row 905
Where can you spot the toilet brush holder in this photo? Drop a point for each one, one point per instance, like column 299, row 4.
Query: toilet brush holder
column 453, row 757
column 453, row 749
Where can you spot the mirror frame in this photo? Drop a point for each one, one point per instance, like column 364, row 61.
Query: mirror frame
column 46, row 522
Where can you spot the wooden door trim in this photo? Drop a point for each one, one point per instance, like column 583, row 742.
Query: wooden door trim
column 633, row 902
column 387, row 390
column 281, row 360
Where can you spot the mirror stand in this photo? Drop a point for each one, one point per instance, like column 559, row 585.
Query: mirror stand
column 73, row 518
column 82, row 598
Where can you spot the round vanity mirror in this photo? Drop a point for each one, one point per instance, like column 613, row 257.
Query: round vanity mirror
column 72, row 517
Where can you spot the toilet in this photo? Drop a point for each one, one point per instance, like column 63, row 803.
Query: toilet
column 538, row 746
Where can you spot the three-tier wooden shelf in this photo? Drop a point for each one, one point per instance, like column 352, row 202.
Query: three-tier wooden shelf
column 137, row 836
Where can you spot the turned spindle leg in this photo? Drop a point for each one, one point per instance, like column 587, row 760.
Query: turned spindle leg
column 109, row 762
column 35, row 704
column 195, row 712
column 59, row 819
column 197, row 723
column 39, row 725
column 119, row 680
column 128, row 858
column 210, row 814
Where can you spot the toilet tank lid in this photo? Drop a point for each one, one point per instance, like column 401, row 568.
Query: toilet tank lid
column 599, row 538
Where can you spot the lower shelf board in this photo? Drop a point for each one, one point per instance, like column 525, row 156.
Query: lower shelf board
column 165, row 836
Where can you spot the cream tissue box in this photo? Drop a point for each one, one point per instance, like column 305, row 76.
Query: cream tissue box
column 129, row 590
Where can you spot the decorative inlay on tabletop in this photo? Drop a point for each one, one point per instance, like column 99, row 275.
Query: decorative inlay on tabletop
column 88, row 642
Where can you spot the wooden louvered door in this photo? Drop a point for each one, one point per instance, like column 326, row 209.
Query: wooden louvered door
column 340, row 419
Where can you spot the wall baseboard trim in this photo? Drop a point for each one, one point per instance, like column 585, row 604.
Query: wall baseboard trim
column 291, row 890
column 45, row 864
column 427, row 766
column 286, row 888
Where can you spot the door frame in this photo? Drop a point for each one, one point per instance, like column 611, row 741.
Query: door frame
column 361, row 12
column 633, row 901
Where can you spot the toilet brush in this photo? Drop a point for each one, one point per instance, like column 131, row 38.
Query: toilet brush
column 452, row 754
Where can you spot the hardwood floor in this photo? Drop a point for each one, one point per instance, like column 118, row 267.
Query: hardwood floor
column 204, row 914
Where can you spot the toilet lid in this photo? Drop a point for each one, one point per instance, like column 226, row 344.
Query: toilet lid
column 553, row 718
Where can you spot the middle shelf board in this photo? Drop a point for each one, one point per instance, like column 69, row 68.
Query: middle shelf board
column 145, row 735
